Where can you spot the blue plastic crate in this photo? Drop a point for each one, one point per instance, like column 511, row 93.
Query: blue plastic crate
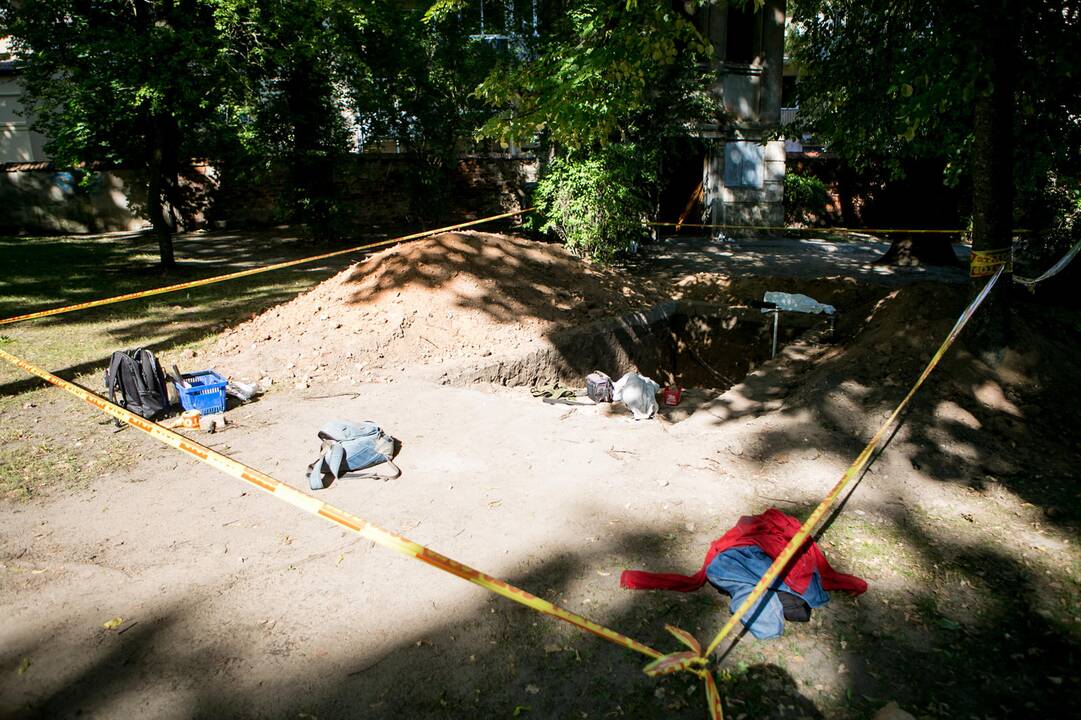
column 206, row 392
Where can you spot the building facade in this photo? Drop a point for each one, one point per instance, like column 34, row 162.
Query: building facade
column 18, row 143
column 744, row 165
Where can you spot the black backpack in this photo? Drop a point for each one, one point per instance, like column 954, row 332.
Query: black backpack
column 140, row 380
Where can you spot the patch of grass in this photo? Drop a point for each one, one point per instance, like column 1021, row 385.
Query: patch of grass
column 27, row 467
column 52, row 272
column 34, row 461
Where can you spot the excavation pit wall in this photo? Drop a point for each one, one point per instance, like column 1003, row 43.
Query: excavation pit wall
column 690, row 344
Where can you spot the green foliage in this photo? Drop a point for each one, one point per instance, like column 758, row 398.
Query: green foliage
column 268, row 89
column 305, row 69
column 805, row 199
column 98, row 74
column 1059, row 225
column 602, row 89
column 883, row 82
column 323, row 74
column 141, row 85
column 598, row 204
column 605, row 72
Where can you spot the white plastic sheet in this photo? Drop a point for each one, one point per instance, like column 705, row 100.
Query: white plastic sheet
column 637, row 393
column 794, row 302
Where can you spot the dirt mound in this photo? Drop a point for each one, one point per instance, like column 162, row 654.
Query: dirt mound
column 977, row 407
column 442, row 299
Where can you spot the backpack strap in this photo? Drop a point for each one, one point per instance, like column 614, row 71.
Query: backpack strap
column 120, row 364
column 152, row 392
column 112, row 376
column 331, row 466
column 379, row 476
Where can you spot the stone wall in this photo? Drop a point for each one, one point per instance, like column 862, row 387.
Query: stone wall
column 34, row 198
column 378, row 190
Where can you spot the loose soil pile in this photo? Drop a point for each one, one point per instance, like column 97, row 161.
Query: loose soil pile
column 445, row 298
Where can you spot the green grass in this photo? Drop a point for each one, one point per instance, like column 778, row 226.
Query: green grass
column 28, row 466
column 42, row 273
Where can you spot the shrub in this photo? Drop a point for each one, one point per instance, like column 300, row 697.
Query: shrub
column 1057, row 223
column 805, row 199
column 598, row 204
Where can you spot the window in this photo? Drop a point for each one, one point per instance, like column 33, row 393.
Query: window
column 743, row 164
column 739, row 34
column 789, row 92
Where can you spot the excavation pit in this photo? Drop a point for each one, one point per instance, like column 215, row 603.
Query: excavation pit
column 689, row 344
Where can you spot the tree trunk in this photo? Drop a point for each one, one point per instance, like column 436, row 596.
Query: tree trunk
column 308, row 100
column 154, row 143
column 161, row 216
column 992, row 173
column 170, row 173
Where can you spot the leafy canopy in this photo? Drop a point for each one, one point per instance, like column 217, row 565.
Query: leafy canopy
column 604, row 71
column 96, row 74
column 884, row 81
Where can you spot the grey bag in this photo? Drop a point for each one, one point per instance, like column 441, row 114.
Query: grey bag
column 599, row 387
column 348, row 447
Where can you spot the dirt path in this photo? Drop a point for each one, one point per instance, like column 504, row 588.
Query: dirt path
column 233, row 605
column 805, row 258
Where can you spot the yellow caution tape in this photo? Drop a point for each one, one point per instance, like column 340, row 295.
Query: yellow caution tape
column 794, row 545
column 986, row 262
column 786, row 228
column 1053, row 270
column 253, row 271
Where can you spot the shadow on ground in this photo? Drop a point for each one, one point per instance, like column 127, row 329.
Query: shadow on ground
column 973, row 637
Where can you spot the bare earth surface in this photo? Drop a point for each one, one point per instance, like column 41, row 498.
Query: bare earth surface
column 442, row 299
column 234, row 605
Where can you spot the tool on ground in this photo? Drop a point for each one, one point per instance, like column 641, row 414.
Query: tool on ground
column 774, row 303
column 672, row 395
column 178, row 377
column 554, row 391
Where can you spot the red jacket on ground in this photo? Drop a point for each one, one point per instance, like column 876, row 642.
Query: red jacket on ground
column 770, row 531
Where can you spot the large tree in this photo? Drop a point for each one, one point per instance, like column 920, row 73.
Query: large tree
column 986, row 88
column 602, row 88
column 322, row 76
column 118, row 83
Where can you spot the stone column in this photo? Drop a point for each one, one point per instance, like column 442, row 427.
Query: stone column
column 772, row 61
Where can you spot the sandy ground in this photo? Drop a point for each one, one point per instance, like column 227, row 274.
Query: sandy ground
column 235, row 605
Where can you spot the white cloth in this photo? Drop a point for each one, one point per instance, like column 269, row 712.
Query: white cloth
column 638, row 393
